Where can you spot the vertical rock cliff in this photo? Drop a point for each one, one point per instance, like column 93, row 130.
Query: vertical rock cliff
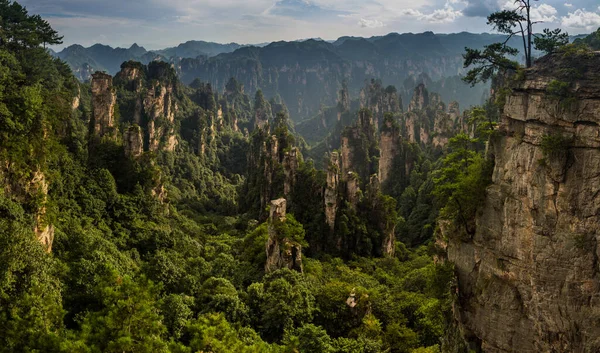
column 332, row 189
column 389, row 144
column 104, row 99
column 529, row 277
column 282, row 252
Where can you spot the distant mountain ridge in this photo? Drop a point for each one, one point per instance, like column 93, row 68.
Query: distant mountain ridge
column 307, row 74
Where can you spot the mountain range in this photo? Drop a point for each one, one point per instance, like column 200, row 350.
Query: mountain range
column 308, row 74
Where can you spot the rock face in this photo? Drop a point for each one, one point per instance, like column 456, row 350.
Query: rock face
column 159, row 104
column 380, row 100
column 281, row 251
column 420, row 99
column 44, row 232
column 352, row 189
column 358, row 144
column 262, row 111
column 133, row 141
column 104, row 99
column 389, row 145
column 528, row 279
column 291, row 163
column 151, row 104
column 332, row 190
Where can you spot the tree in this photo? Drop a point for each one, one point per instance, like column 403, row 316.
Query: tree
column 19, row 29
column 551, row 40
column 130, row 320
column 493, row 58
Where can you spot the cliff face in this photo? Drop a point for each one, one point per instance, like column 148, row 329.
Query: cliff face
column 528, row 280
column 332, row 190
column 428, row 121
column 150, row 103
column 104, row 99
column 389, row 144
column 358, row 145
column 282, row 252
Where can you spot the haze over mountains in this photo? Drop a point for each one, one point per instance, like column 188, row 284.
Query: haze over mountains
column 308, row 74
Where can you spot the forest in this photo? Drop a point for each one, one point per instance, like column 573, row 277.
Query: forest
column 136, row 212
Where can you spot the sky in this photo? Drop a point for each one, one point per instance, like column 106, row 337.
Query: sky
column 157, row 24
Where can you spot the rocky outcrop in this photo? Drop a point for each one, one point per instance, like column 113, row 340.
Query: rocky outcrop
column 291, row 163
column 332, row 190
column 389, row 145
column 528, row 278
column 380, row 100
column 38, row 187
column 160, row 109
column 262, row 111
column 358, row 144
column 282, row 252
column 343, row 102
column 454, row 111
column 352, row 189
column 133, row 141
column 104, row 99
column 420, row 99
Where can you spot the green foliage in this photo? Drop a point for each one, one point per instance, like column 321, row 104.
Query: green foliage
column 291, row 229
column 129, row 320
column 283, row 301
column 554, row 143
column 21, row 30
column 489, row 62
column 131, row 272
column 494, row 58
column 551, row 41
column 592, row 41
column 460, row 183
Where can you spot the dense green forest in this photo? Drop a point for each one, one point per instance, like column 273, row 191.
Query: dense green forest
column 148, row 231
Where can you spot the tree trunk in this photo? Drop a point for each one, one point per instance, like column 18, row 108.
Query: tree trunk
column 529, row 30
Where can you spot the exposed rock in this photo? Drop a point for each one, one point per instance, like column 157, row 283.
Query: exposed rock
column 133, row 141
column 291, row 164
column 104, row 99
column 389, row 145
column 76, row 100
column 420, row 99
column 454, row 111
column 281, row 251
column 332, row 190
column 528, row 279
column 44, row 232
column 443, row 129
column 262, row 111
column 358, row 145
column 352, row 189
column 343, row 101
column 380, row 100
column 160, row 109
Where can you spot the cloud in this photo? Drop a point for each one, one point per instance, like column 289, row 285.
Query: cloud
column 582, row 19
column 568, row 5
column 445, row 15
column 544, row 13
column 366, row 23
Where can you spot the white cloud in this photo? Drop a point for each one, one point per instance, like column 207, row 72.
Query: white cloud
column 544, row 13
column 568, row 5
column 582, row 19
column 445, row 15
column 366, row 23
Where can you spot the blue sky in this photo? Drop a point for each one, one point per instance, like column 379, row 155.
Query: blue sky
column 161, row 23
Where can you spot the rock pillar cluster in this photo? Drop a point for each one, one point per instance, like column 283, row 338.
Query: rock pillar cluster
column 282, row 252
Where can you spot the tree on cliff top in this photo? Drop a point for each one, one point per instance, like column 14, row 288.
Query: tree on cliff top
column 516, row 22
column 19, row 29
